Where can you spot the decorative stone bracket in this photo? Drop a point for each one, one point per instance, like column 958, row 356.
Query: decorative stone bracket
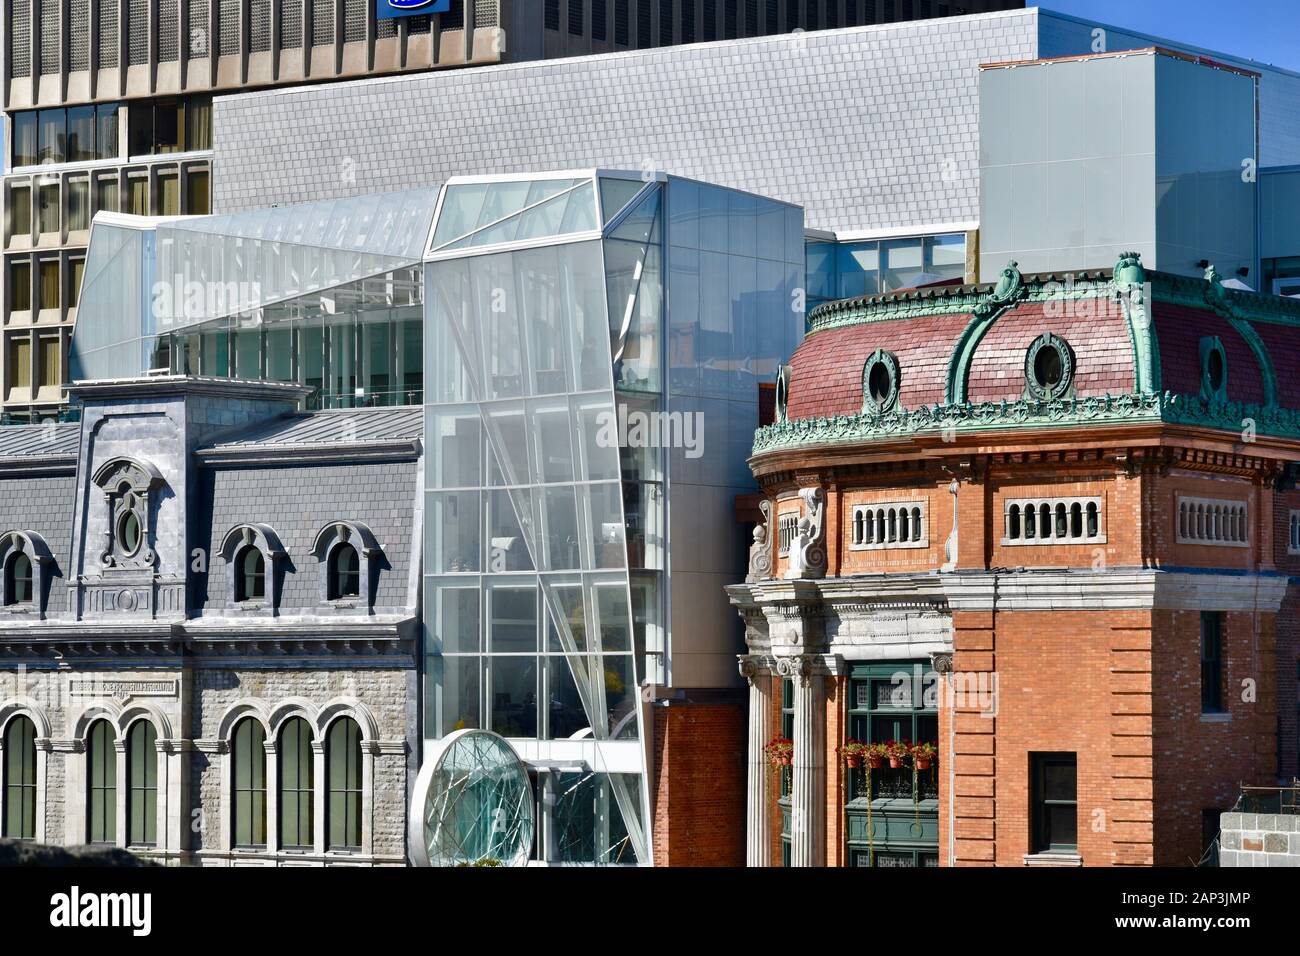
column 808, row 549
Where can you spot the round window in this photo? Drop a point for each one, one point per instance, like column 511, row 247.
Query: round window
column 880, row 382
column 1049, row 367
column 1214, row 370
column 128, row 533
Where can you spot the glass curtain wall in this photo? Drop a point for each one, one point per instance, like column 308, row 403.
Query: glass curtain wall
column 844, row 270
column 529, row 537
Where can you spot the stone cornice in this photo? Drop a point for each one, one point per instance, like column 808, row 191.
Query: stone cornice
column 1029, row 590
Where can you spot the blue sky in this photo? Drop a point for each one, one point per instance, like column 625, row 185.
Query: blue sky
column 1264, row 30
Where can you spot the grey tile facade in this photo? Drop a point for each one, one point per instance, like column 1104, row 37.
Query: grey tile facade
column 867, row 128
column 863, row 127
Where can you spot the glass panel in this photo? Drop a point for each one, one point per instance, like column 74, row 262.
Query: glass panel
column 25, row 150
column 514, row 696
column 20, row 286
column 48, row 214
column 106, row 131
column 20, row 211
column 53, row 134
column 296, row 784
column 78, row 204
column 81, row 134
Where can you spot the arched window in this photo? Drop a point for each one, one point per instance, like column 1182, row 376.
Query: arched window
column 1013, row 522
column 1093, row 524
column 345, row 573
column 1076, row 520
column 250, row 783
column 296, row 785
column 101, row 759
column 250, row 570
column 142, row 778
column 18, row 580
column 343, row 801
column 20, row 780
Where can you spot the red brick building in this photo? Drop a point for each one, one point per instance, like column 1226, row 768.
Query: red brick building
column 1046, row 526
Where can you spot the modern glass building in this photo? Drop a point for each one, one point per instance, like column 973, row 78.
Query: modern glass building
column 588, row 347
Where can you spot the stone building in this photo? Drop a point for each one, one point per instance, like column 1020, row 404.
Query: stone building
column 210, row 614
column 1046, row 525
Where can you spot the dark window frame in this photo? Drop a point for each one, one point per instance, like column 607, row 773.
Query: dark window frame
column 18, row 821
column 1042, row 839
column 142, row 784
column 1213, row 671
column 345, row 795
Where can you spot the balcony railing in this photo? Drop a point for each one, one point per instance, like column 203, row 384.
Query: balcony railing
column 1270, row 799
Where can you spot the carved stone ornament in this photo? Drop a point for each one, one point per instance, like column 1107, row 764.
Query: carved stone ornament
column 129, row 487
column 808, row 549
column 760, row 552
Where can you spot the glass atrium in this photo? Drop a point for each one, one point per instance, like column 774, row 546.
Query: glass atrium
column 576, row 425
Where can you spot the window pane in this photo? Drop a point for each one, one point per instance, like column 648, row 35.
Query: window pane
column 138, row 197
column 514, row 696
column 76, row 267
column 49, row 362
column 25, row 152
column 79, row 204
column 53, row 133
column 106, row 131
column 49, row 208
column 81, row 134
column 20, row 212
column 106, row 187
column 169, row 194
column 49, row 287
column 197, row 193
column 20, row 286
column 20, row 363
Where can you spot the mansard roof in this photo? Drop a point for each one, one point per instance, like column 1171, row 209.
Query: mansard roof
column 1135, row 345
column 33, row 447
column 333, row 434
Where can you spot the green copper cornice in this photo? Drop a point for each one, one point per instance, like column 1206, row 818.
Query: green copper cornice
column 1137, row 408
column 1009, row 290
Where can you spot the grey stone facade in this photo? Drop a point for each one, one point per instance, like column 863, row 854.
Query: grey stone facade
column 123, row 632
column 1259, row 839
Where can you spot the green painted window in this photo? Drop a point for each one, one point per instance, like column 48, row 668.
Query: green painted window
column 250, row 783
column 142, row 775
column 345, row 573
column 250, row 579
column 1055, row 802
column 787, row 729
column 296, row 785
column 101, row 759
column 1211, row 662
column 20, row 780
column 343, row 806
column 894, row 702
column 18, row 580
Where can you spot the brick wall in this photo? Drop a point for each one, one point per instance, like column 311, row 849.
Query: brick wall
column 699, row 784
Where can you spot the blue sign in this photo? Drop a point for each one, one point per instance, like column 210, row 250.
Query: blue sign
column 388, row 9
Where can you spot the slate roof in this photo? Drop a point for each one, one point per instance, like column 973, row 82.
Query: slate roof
column 55, row 442
column 324, row 429
column 928, row 331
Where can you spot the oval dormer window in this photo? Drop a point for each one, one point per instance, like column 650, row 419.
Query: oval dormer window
column 128, row 533
column 1049, row 367
column 880, row 382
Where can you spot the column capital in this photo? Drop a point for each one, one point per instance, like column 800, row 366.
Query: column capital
column 754, row 666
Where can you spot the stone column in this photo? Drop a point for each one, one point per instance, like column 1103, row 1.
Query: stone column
column 758, row 828
column 808, row 785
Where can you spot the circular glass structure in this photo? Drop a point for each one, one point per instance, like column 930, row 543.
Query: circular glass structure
column 473, row 804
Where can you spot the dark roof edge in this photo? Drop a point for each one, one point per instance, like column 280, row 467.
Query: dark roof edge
column 394, row 450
